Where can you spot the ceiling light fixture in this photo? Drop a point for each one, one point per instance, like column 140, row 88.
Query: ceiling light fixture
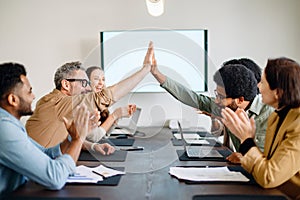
column 155, row 7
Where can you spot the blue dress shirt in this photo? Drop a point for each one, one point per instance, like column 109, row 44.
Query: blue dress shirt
column 21, row 158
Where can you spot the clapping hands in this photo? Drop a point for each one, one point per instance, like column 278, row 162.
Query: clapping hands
column 79, row 126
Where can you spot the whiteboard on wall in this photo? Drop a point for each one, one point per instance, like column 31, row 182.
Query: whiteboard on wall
column 180, row 54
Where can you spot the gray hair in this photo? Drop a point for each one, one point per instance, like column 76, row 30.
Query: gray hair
column 65, row 72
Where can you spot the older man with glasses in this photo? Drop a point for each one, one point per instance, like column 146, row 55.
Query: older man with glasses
column 72, row 88
column 45, row 125
column 83, row 82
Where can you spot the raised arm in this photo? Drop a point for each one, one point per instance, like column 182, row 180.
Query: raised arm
column 183, row 93
column 123, row 87
column 97, row 133
column 118, row 113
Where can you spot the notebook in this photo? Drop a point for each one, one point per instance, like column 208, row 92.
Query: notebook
column 47, row 198
column 131, row 128
column 117, row 156
column 238, row 197
column 197, row 152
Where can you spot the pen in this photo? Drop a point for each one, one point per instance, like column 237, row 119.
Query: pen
column 137, row 148
column 79, row 178
column 98, row 174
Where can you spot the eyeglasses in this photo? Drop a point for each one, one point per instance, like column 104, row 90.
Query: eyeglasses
column 219, row 96
column 84, row 82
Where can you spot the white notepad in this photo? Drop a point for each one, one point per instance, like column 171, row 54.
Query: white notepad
column 207, row 174
column 85, row 174
column 196, row 141
column 187, row 136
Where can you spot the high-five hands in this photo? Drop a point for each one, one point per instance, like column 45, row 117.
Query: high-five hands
column 148, row 57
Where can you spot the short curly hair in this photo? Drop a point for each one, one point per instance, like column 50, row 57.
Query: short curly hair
column 237, row 80
column 249, row 64
column 66, row 71
column 10, row 77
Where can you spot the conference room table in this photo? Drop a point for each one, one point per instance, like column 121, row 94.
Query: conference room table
column 147, row 176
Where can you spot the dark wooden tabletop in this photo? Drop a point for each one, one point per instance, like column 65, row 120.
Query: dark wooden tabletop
column 147, row 175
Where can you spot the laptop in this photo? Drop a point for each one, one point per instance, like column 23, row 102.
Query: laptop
column 131, row 128
column 198, row 152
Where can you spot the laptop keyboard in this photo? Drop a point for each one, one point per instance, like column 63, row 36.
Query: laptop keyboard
column 193, row 152
column 201, row 152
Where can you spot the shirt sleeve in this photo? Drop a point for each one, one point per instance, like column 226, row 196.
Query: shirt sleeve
column 52, row 152
column 25, row 157
column 246, row 146
column 189, row 97
column 100, row 100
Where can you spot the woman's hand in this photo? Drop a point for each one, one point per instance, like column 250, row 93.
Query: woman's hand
column 239, row 123
column 125, row 111
column 235, row 158
column 148, row 57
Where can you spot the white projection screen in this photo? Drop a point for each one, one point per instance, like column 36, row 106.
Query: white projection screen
column 180, row 54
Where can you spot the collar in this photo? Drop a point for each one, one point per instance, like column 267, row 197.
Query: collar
column 283, row 112
column 4, row 115
column 256, row 105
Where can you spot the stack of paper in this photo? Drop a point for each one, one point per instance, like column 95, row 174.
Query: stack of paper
column 187, row 136
column 105, row 171
column 207, row 174
column 192, row 141
column 120, row 131
column 85, row 174
column 191, row 138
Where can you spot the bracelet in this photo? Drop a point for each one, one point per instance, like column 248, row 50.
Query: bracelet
column 93, row 146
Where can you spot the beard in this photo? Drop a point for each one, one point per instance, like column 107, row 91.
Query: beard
column 233, row 106
column 24, row 108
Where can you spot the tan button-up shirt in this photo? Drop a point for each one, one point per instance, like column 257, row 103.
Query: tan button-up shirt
column 46, row 125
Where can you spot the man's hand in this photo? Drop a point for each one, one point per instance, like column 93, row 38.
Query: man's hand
column 161, row 78
column 235, row 158
column 78, row 127
column 154, row 69
column 104, row 149
column 94, row 120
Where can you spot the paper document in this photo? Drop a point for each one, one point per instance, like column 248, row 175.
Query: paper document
column 207, row 174
column 189, row 141
column 187, row 136
column 106, row 172
column 85, row 174
column 121, row 131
